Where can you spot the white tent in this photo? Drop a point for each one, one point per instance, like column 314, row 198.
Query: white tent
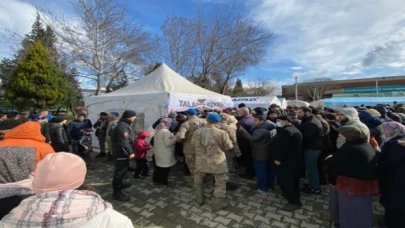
column 254, row 102
column 283, row 102
column 154, row 95
column 297, row 103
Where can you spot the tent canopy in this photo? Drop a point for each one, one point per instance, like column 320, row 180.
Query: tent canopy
column 154, row 95
column 163, row 79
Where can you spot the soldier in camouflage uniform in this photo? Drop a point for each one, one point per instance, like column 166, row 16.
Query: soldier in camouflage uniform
column 210, row 144
column 185, row 134
column 227, row 126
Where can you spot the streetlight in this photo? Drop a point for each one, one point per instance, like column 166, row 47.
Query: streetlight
column 296, row 87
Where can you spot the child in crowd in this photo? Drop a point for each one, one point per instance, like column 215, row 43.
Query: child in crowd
column 85, row 146
column 140, row 149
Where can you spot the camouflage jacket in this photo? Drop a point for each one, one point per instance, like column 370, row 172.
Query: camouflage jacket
column 232, row 136
column 188, row 128
column 210, row 144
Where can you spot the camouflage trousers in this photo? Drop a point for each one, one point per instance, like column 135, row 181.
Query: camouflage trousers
column 229, row 160
column 220, row 183
column 190, row 161
column 109, row 144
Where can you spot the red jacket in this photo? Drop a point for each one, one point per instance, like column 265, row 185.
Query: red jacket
column 139, row 147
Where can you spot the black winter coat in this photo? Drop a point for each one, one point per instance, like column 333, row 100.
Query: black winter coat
column 286, row 147
column 122, row 138
column 260, row 139
column 391, row 172
column 311, row 129
column 59, row 138
column 355, row 159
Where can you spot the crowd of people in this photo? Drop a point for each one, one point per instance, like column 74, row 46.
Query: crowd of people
column 358, row 151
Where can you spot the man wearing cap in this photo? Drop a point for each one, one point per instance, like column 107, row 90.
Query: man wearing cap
column 122, row 137
column 185, row 134
column 210, row 144
column 74, row 129
column 101, row 129
column 286, row 148
column 112, row 123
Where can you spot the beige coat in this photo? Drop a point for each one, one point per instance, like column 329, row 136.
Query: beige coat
column 210, row 144
column 163, row 148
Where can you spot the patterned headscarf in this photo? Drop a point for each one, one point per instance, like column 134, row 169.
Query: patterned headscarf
column 352, row 133
column 394, row 128
column 165, row 123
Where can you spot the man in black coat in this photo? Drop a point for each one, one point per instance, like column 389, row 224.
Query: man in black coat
column 311, row 129
column 286, row 149
column 122, row 137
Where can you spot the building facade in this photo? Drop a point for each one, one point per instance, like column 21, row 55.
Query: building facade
column 366, row 87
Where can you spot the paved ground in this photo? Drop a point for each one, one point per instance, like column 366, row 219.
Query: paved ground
column 176, row 208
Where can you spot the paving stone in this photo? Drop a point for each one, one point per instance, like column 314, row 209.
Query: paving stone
column 309, row 225
column 234, row 217
column 196, row 218
column 208, row 215
column 273, row 216
column 286, row 213
column 261, row 219
column 146, row 214
column 248, row 214
column 291, row 220
column 195, row 210
column 176, row 207
column 222, row 220
column 278, row 224
column 209, row 223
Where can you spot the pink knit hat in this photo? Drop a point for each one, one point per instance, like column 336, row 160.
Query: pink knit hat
column 59, row 171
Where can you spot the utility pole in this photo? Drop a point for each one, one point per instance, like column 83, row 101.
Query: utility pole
column 296, row 87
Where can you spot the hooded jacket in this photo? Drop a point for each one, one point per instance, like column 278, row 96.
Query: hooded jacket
column 139, row 147
column 353, row 120
column 28, row 135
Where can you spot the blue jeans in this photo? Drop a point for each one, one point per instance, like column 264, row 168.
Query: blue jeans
column 311, row 165
column 265, row 174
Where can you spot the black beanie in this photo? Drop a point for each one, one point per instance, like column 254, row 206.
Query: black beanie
column 58, row 119
column 128, row 114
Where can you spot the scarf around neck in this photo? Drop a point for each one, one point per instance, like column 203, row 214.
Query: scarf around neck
column 72, row 208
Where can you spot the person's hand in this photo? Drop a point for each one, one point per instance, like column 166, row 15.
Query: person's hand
column 132, row 156
column 86, row 148
column 277, row 162
column 328, row 157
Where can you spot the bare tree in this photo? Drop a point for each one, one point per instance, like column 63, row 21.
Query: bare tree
column 315, row 88
column 214, row 49
column 262, row 86
column 104, row 42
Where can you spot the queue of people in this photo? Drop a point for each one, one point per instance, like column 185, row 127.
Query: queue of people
column 359, row 152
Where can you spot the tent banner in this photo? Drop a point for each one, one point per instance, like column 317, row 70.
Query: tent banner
column 183, row 102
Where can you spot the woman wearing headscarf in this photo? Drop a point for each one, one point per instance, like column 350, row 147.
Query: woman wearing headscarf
column 351, row 174
column 391, row 171
column 61, row 202
column 163, row 151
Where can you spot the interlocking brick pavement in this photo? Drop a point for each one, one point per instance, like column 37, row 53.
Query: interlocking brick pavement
column 175, row 207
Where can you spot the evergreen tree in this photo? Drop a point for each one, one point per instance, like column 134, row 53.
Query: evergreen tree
column 238, row 90
column 7, row 66
column 36, row 80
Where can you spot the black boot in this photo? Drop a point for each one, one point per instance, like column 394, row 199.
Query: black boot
column 101, row 155
column 119, row 196
column 231, row 187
